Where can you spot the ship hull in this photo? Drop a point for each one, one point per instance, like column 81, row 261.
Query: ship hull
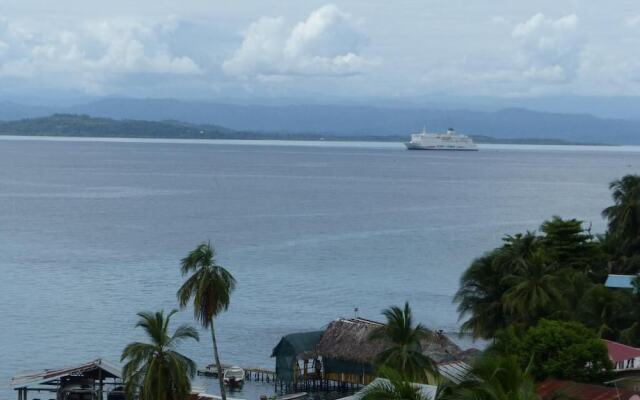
column 415, row 146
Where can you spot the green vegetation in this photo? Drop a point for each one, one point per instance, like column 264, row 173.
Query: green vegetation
column 155, row 370
column 405, row 355
column 557, row 349
column 540, row 299
column 210, row 287
column 493, row 378
column 540, row 296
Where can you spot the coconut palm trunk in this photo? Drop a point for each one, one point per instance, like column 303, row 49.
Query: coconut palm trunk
column 210, row 287
column 223, row 391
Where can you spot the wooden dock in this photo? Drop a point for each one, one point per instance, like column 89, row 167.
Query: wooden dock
column 250, row 373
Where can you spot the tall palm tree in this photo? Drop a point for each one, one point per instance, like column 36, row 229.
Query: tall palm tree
column 533, row 288
column 155, row 370
column 480, row 297
column 624, row 215
column 210, row 286
column 405, row 353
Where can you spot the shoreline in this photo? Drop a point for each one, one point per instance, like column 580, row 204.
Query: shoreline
column 318, row 143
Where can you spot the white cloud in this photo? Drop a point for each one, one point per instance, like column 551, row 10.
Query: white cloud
column 633, row 22
column 89, row 55
column 549, row 49
column 328, row 42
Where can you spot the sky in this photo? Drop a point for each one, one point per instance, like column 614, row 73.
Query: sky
column 211, row 49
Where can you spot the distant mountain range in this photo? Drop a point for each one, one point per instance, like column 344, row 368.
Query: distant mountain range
column 341, row 121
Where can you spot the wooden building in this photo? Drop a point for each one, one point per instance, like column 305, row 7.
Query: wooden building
column 343, row 355
column 295, row 349
column 97, row 379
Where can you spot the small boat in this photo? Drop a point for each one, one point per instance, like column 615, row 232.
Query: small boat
column 233, row 376
column 209, row 370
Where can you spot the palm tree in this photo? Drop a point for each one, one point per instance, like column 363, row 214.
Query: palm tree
column 496, row 378
column 405, row 353
column 533, row 288
column 480, row 297
column 483, row 285
column 155, row 370
column 516, row 250
column 210, row 286
column 624, row 215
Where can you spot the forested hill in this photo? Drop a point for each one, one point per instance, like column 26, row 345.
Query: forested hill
column 351, row 121
column 73, row 125
column 83, row 125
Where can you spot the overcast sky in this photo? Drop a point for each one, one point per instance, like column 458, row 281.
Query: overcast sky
column 356, row 48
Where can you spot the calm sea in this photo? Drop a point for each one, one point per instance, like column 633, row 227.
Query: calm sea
column 92, row 231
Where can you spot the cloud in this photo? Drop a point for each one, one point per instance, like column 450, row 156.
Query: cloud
column 328, row 42
column 548, row 49
column 633, row 22
column 90, row 55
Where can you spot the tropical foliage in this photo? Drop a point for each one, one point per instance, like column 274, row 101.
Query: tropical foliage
column 494, row 378
column 156, row 370
column 210, row 286
column 405, row 354
column 559, row 274
column 557, row 349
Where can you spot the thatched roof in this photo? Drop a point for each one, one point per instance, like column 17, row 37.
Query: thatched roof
column 348, row 340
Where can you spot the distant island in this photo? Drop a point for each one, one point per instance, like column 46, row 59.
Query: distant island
column 75, row 125
column 354, row 120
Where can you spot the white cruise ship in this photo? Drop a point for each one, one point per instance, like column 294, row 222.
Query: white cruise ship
column 440, row 141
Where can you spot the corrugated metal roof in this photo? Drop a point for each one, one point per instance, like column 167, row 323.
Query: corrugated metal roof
column 582, row 391
column 620, row 281
column 48, row 375
column 454, row 371
column 621, row 352
column 428, row 391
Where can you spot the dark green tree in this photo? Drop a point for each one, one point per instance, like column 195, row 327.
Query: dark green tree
column 624, row 215
column 558, row 349
column 607, row 311
column 480, row 297
column 495, row 377
column 569, row 245
column 534, row 289
column 155, row 370
column 210, row 286
column 405, row 354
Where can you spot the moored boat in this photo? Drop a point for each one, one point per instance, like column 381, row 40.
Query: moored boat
column 233, row 376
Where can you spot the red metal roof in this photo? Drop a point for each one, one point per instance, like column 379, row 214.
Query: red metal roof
column 621, row 352
column 582, row 391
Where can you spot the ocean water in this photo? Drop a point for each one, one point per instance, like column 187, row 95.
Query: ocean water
column 92, row 231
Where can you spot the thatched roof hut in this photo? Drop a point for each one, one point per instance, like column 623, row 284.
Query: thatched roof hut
column 345, row 352
column 348, row 340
